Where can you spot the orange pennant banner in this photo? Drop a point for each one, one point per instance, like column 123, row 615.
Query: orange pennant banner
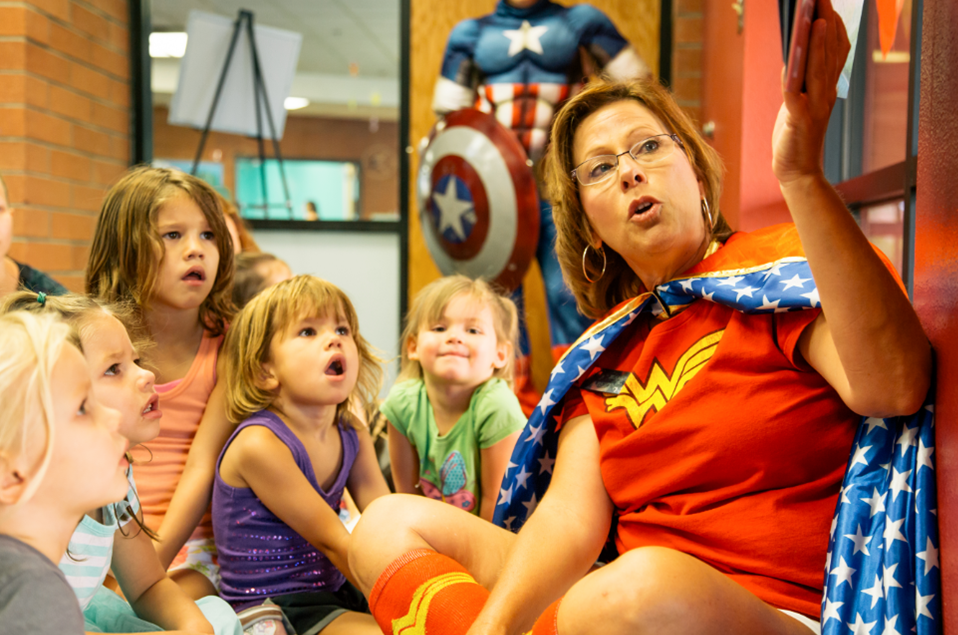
column 889, row 11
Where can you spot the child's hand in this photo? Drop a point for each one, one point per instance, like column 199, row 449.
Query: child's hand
column 146, row 586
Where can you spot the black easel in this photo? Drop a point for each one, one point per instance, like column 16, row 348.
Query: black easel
column 259, row 93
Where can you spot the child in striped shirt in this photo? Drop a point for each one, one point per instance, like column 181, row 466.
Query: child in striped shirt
column 113, row 535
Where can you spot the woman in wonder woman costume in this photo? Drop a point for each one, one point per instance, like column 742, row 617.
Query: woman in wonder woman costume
column 710, row 410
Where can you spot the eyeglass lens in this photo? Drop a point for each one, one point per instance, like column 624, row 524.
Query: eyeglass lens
column 647, row 152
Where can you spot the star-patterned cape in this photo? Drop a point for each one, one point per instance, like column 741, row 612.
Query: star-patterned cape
column 882, row 575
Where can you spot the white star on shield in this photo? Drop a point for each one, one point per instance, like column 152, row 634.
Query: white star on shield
column 451, row 209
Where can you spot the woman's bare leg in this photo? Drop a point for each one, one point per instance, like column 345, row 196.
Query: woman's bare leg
column 400, row 523
column 659, row 590
column 351, row 623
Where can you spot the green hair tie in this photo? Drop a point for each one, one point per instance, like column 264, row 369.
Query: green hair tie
column 42, row 298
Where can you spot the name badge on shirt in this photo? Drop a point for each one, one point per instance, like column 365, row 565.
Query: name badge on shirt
column 606, row 382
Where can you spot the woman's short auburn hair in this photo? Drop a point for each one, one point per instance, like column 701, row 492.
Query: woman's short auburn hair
column 127, row 248
column 431, row 302
column 269, row 315
column 574, row 230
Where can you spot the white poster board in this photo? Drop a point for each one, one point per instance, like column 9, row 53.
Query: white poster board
column 208, row 42
column 850, row 12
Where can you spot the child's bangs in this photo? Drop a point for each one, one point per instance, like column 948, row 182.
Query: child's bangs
column 205, row 198
column 311, row 297
column 434, row 305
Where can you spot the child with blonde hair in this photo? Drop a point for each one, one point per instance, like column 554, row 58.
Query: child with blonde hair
column 161, row 243
column 60, row 455
column 297, row 368
column 113, row 537
column 453, row 418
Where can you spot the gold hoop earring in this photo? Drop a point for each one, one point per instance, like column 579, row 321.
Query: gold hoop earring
column 707, row 211
column 604, row 262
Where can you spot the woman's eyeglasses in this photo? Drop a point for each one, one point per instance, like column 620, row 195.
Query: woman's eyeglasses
column 647, row 153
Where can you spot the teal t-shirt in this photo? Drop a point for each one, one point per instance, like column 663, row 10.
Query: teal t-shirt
column 449, row 465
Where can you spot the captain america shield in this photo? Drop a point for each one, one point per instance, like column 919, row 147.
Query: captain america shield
column 477, row 196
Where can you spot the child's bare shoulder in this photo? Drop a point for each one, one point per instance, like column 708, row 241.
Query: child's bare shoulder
column 256, row 443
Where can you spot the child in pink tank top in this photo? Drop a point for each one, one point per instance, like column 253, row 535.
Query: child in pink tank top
column 183, row 402
column 161, row 243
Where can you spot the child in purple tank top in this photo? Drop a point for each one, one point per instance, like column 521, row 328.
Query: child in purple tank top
column 297, row 370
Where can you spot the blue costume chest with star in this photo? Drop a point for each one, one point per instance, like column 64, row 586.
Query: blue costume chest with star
column 484, row 50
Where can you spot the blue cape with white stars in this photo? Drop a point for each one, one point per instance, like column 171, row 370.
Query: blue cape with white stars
column 882, row 574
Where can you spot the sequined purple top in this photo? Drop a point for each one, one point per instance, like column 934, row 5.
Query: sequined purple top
column 259, row 555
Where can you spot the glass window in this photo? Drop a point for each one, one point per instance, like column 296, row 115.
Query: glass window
column 340, row 145
column 866, row 148
column 883, row 225
column 886, row 96
column 318, row 190
column 341, row 140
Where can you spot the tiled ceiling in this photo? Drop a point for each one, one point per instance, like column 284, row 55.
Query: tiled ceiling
column 340, row 37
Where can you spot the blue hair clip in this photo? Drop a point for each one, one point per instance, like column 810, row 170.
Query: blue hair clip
column 42, row 298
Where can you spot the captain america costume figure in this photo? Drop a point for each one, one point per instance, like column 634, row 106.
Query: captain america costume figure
column 520, row 63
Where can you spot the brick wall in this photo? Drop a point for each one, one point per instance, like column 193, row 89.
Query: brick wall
column 64, row 124
column 687, row 55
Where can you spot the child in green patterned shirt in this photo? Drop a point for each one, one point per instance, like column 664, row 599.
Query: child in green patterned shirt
column 453, row 418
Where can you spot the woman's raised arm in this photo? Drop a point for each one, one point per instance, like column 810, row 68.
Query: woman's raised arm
column 868, row 343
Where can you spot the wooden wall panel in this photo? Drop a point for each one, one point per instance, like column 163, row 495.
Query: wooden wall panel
column 430, row 24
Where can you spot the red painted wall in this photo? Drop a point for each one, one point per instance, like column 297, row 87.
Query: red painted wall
column 741, row 95
column 760, row 199
column 936, row 264
column 723, row 52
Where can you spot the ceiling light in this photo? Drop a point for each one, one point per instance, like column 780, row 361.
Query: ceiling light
column 170, row 44
column 295, row 103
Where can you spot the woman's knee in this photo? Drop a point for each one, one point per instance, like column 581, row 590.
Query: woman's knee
column 385, row 531
column 384, row 511
column 644, row 590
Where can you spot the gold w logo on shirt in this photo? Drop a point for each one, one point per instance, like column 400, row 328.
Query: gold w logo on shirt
column 638, row 398
column 414, row 622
